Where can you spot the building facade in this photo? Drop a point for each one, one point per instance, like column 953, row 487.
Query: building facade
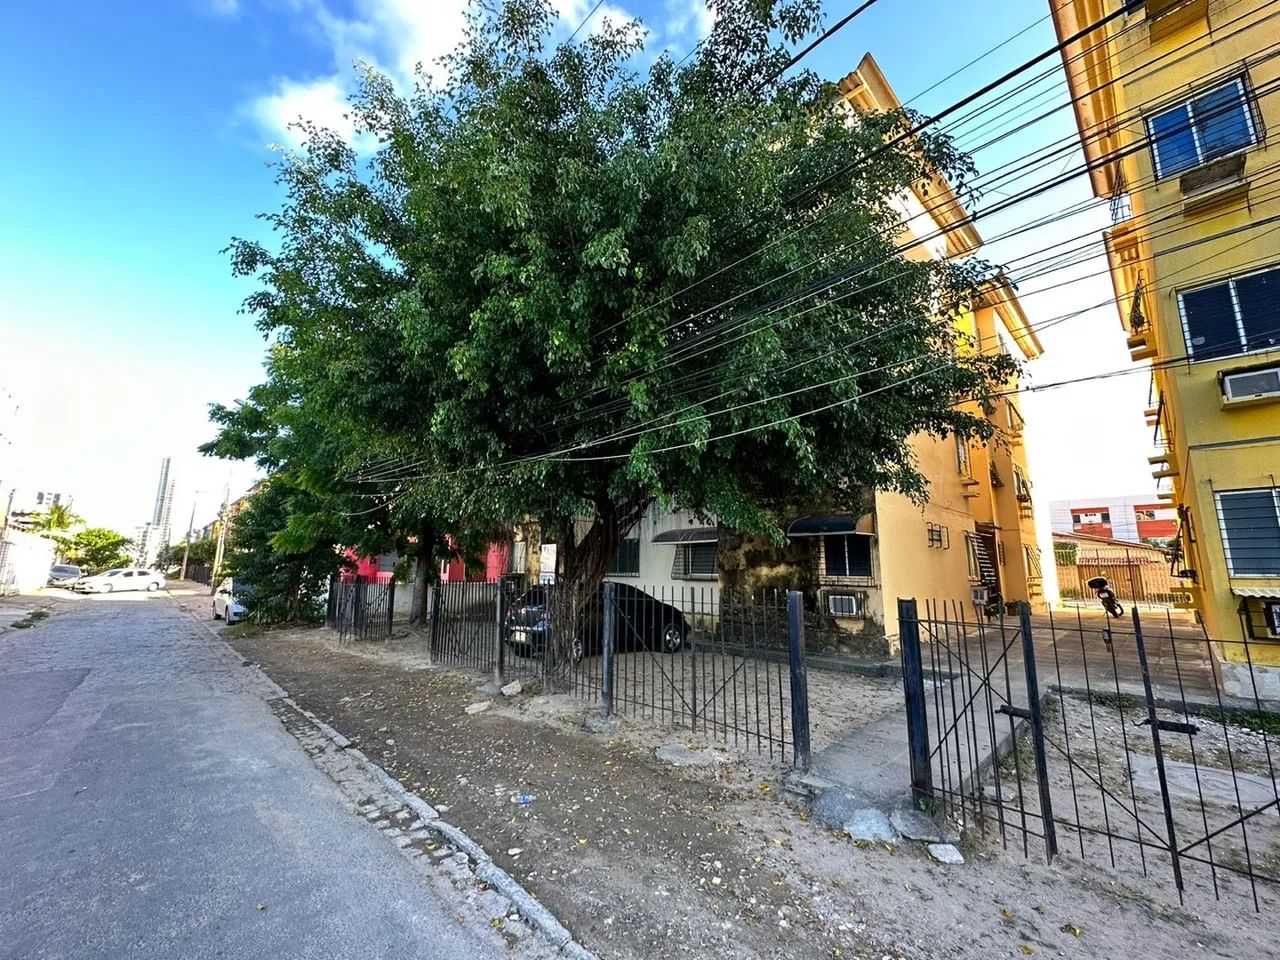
column 1136, row 518
column 1174, row 101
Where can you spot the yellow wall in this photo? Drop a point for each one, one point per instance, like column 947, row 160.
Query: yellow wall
column 1173, row 247
column 908, row 565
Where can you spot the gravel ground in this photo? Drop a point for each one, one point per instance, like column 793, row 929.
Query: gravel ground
column 644, row 860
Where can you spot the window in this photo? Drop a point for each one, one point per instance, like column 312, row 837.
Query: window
column 939, row 536
column 1021, row 485
column 626, row 563
column 1250, row 521
column 971, row 556
column 1032, row 556
column 1212, row 125
column 963, row 466
column 1144, row 514
column 694, row 561
column 847, row 555
column 387, row 562
column 1238, row 315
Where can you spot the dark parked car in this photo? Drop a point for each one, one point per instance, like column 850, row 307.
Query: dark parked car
column 63, row 574
column 641, row 622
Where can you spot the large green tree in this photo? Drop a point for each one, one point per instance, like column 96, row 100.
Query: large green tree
column 98, row 548
column 281, row 576
column 565, row 285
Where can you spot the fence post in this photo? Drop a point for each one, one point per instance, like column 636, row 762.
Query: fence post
column 331, row 608
column 913, row 689
column 1154, row 721
column 1037, row 730
column 360, row 612
column 500, row 648
column 391, row 606
column 433, row 631
column 799, row 679
column 606, row 660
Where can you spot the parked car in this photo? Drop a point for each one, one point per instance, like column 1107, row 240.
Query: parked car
column 641, row 622
column 64, row 574
column 121, row 579
column 226, row 601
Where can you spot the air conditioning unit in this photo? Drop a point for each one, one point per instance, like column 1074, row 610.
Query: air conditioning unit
column 980, row 595
column 846, row 604
column 1244, row 386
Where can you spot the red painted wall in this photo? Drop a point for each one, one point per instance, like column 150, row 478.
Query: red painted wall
column 497, row 563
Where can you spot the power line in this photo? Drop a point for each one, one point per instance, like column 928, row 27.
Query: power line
column 819, row 40
column 591, row 13
column 559, row 455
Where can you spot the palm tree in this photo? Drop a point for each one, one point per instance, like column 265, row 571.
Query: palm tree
column 57, row 517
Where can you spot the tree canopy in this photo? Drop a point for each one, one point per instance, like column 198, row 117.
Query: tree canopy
column 576, row 279
column 98, row 548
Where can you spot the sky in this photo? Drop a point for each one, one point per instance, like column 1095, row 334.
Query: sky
column 138, row 139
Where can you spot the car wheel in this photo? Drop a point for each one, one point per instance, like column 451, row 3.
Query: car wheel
column 229, row 617
column 152, row 587
column 108, row 588
column 216, row 614
column 673, row 638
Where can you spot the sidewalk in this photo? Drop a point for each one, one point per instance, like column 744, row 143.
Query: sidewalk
column 646, row 860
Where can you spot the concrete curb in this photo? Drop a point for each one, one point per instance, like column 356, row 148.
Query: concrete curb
column 485, row 870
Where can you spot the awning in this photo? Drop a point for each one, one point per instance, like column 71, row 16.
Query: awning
column 1266, row 593
column 688, row 535
column 828, row 524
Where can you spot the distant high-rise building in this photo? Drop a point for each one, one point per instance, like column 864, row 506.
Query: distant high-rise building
column 153, row 537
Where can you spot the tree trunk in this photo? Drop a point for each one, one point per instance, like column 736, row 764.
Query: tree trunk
column 581, row 566
column 423, row 575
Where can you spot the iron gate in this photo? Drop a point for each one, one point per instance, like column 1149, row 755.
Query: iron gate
column 360, row 610
column 733, row 669
column 1107, row 739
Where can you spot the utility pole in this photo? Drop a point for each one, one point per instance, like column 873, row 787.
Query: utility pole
column 223, row 520
column 186, row 546
column 4, row 525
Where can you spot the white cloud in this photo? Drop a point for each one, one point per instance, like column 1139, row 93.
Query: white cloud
column 323, row 102
column 391, row 35
column 224, row 8
column 689, row 16
column 395, row 36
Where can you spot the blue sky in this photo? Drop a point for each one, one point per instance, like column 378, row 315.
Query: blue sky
column 136, row 144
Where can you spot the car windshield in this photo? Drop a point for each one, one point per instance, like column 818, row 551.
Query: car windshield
column 71, row 571
column 112, row 573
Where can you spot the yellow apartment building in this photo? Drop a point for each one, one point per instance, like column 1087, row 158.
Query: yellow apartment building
column 1177, row 103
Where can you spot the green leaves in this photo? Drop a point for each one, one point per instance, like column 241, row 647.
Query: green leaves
column 563, row 284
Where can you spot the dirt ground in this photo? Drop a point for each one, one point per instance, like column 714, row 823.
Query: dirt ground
column 644, row 860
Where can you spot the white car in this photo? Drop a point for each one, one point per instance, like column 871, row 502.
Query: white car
column 121, row 579
column 226, row 605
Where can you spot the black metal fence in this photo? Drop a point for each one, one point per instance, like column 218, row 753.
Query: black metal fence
column 730, row 667
column 360, row 610
column 1108, row 739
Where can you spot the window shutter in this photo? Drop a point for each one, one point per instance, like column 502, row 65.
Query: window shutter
column 1211, row 322
column 1251, row 532
column 1259, row 298
column 1222, row 121
column 1172, row 141
column 835, row 561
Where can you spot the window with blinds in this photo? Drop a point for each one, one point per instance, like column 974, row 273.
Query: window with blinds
column 1234, row 316
column 1250, row 522
column 694, row 561
column 846, row 555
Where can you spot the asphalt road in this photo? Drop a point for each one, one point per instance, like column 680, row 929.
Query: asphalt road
column 151, row 805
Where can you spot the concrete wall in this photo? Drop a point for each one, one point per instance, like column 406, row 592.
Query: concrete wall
column 25, row 560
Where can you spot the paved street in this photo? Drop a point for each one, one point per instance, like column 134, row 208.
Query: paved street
column 151, row 805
